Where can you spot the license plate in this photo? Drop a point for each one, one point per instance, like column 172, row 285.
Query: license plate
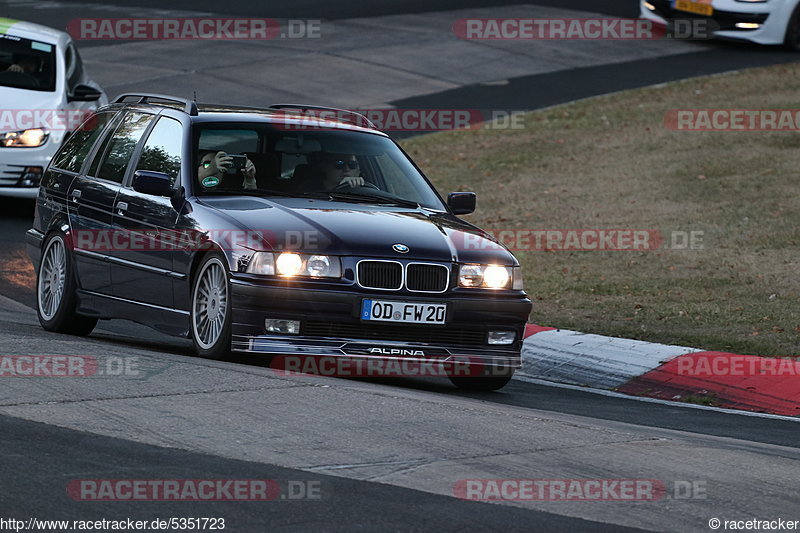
column 694, row 7
column 405, row 312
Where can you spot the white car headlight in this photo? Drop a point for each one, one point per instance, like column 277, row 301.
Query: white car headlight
column 488, row 277
column 290, row 264
column 24, row 139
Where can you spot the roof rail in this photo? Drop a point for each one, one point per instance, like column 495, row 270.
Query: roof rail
column 190, row 107
column 360, row 119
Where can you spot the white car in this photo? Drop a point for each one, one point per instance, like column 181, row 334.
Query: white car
column 44, row 95
column 759, row 21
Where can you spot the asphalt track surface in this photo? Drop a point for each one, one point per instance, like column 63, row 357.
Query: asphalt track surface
column 38, row 460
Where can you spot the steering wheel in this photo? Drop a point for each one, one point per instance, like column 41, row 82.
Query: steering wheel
column 367, row 185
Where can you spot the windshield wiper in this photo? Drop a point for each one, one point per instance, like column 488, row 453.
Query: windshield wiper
column 369, row 198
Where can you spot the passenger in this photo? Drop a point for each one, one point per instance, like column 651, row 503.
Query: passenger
column 213, row 169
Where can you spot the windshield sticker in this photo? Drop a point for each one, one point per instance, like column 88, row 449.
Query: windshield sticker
column 210, row 181
column 42, row 47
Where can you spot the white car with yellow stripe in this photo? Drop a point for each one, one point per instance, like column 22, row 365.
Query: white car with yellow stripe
column 759, row 21
column 44, row 95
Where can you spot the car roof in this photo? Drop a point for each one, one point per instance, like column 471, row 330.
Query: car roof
column 215, row 113
column 30, row 30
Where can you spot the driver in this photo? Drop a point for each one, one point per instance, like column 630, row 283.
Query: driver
column 339, row 171
column 24, row 64
column 213, row 167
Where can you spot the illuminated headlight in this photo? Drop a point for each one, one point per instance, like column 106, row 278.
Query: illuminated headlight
column 24, row 139
column 290, row 264
column 649, row 6
column 486, row 276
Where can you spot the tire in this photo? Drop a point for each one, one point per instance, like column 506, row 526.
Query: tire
column 792, row 39
column 481, row 383
column 210, row 314
column 56, row 284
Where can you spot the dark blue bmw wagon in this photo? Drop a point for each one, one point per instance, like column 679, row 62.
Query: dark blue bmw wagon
column 271, row 231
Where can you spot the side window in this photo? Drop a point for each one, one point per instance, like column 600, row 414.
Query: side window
column 119, row 147
column 77, row 147
column 162, row 151
column 74, row 67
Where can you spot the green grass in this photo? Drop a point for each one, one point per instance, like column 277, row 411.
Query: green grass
column 610, row 162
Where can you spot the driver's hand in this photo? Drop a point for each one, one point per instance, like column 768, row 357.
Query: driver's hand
column 351, row 181
column 15, row 68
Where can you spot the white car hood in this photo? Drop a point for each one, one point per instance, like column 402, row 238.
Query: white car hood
column 12, row 98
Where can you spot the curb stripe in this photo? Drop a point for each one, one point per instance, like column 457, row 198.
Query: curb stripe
column 746, row 382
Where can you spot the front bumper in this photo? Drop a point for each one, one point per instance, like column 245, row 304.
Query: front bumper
column 331, row 325
column 15, row 181
column 771, row 18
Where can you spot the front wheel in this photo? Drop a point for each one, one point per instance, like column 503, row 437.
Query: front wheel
column 211, row 309
column 792, row 40
column 55, row 291
column 481, row 383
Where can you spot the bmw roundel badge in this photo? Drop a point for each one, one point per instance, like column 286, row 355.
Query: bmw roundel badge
column 400, row 248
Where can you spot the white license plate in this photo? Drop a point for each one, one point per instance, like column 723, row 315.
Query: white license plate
column 406, row 312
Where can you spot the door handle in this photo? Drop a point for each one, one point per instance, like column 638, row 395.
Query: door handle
column 121, row 208
column 75, row 195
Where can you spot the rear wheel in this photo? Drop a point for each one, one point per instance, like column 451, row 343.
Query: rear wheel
column 211, row 309
column 55, row 291
column 481, row 383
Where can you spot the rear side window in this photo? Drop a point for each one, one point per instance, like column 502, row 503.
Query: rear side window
column 117, row 152
column 77, row 147
column 162, row 151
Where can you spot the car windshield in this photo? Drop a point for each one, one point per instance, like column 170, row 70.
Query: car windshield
column 342, row 166
column 27, row 64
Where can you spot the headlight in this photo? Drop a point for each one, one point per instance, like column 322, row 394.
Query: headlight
column 24, row 139
column 262, row 263
column 486, row 276
column 290, row 264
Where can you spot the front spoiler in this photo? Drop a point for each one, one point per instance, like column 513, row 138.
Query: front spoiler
column 360, row 349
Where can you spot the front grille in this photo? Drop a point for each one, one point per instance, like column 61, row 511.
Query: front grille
column 422, row 334
column 387, row 275
column 426, row 278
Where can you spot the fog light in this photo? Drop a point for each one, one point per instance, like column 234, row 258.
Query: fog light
column 649, row 6
column 286, row 327
column 31, row 177
column 747, row 25
column 502, row 337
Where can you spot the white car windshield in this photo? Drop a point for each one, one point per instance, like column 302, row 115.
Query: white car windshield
column 27, row 64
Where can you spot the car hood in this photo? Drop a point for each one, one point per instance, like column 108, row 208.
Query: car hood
column 20, row 106
column 338, row 228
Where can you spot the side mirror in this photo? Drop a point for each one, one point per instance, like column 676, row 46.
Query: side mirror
column 84, row 93
column 153, row 183
column 461, row 203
